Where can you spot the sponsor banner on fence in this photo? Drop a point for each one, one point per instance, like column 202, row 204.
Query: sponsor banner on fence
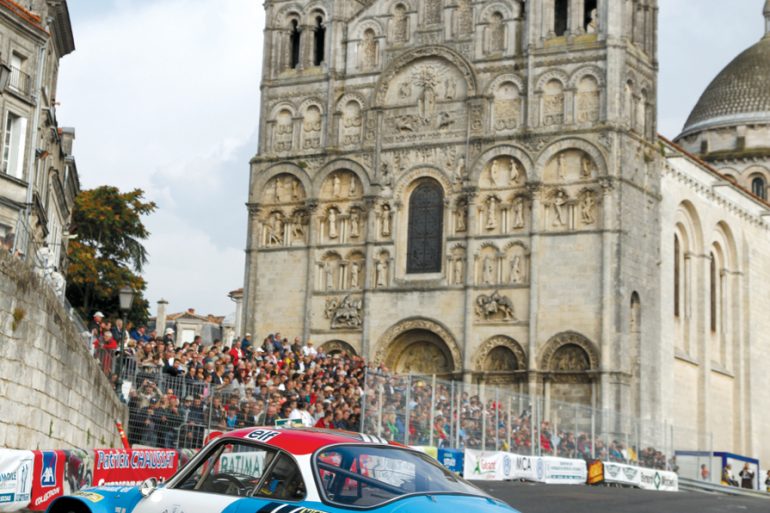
column 622, row 474
column 427, row 449
column 48, row 482
column 130, row 467
column 452, row 459
column 487, row 466
column 595, row 473
column 659, row 480
column 563, row 471
column 16, row 474
column 527, row 467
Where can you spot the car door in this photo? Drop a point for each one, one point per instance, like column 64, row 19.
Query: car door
column 229, row 473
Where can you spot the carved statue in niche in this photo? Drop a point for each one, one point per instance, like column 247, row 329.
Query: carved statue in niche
column 275, row 230
column 507, row 107
column 593, row 24
column 495, row 306
column 559, row 209
column 311, row 127
column 561, row 166
column 570, row 358
column 386, row 220
column 298, row 226
column 355, row 275
column 553, row 104
column 587, row 206
column 586, row 167
column 460, row 170
column 495, row 171
column 457, row 271
column 587, row 101
column 353, row 190
column 488, row 271
column 355, row 224
column 328, row 275
column 296, row 195
column 516, row 171
column 461, row 218
column 381, row 273
column 400, row 24
column 385, row 177
column 496, row 33
column 518, row 213
column 501, row 359
column 369, row 50
column 277, row 188
column 336, row 186
column 422, row 358
column 345, row 314
column 351, row 123
column 432, row 11
column 332, row 220
column 426, row 103
column 516, row 271
column 491, row 213
column 464, row 17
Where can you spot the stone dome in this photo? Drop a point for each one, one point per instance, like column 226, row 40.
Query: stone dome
column 739, row 95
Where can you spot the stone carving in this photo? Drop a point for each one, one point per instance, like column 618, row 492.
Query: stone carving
column 336, row 186
column 461, row 218
column 274, row 230
column 355, row 275
column 569, row 165
column 495, row 307
column 345, row 314
column 507, row 107
column 488, row 271
column 311, row 128
column 516, row 273
column 298, row 222
column 458, row 271
column 352, row 121
column 495, row 171
column 368, row 50
column 593, row 25
column 450, row 89
column 503, row 349
column 385, row 177
column 561, row 166
column 553, row 104
column 405, row 90
column 570, row 358
column 518, row 213
column 392, row 334
column 426, row 78
column 496, row 33
column 586, row 167
column 355, row 224
column 332, row 223
column 422, row 358
column 460, row 170
column 386, row 220
column 283, row 132
column 517, row 173
column 381, row 272
column 400, row 24
column 491, row 223
column 587, row 101
column 587, row 207
column 501, row 359
column 432, row 11
column 558, row 204
column 464, row 17
column 328, row 275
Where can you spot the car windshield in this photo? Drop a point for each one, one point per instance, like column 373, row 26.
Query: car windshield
column 366, row 476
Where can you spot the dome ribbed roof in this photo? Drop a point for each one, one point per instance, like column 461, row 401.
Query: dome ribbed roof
column 740, row 94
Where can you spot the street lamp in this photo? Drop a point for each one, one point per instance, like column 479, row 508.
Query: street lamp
column 126, row 298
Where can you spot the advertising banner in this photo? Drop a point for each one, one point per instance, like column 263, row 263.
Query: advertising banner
column 527, row 467
column 659, row 480
column 427, row 449
column 251, row 463
column 452, row 459
column 48, row 482
column 618, row 473
column 595, row 473
column 564, row 471
column 16, row 471
column 487, row 466
column 131, row 467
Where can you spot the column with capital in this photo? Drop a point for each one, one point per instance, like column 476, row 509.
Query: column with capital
column 535, row 192
column 311, row 207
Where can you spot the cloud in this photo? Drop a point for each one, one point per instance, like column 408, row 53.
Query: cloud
column 164, row 95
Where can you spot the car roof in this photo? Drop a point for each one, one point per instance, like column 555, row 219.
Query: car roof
column 303, row 440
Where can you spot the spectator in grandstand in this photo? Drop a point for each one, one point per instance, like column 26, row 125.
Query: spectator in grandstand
column 747, row 477
column 300, row 413
column 705, row 475
column 727, row 476
column 767, row 481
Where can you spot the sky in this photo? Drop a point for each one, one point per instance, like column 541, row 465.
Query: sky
column 164, row 96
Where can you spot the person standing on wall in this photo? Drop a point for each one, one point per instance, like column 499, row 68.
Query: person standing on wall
column 747, row 477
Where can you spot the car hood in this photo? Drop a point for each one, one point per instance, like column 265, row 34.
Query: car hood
column 448, row 503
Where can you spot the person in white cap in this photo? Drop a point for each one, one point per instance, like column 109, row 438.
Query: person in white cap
column 168, row 337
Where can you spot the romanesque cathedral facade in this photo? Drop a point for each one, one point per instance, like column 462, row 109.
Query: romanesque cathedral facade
column 476, row 189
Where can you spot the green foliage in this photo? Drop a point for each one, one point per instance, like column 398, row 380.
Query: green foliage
column 109, row 251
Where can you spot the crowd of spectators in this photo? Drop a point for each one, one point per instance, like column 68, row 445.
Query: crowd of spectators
column 178, row 394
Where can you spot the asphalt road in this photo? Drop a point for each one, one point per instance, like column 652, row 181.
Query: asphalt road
column 534, row 498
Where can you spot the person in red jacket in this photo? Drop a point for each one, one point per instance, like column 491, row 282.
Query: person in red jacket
column 325, row 422
column 236, row 353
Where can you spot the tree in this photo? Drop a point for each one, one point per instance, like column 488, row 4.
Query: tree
column 109, row 251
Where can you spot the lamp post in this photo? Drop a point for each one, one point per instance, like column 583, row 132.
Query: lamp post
column 126, row 297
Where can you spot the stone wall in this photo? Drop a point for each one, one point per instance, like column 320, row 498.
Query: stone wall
column 53, row 394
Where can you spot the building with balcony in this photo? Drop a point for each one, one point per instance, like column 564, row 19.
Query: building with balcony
column 38, row 174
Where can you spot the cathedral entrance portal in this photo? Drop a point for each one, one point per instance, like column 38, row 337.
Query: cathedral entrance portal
column 419, row 346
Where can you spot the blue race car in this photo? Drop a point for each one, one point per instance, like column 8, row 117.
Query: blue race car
column 294, row 470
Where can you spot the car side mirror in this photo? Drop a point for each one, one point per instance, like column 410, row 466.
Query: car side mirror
column 148, row 486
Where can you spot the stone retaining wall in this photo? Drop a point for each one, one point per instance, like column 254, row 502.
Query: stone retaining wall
column 53, row 394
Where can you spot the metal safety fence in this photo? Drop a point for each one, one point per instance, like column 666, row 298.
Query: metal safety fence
column 425, row 410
